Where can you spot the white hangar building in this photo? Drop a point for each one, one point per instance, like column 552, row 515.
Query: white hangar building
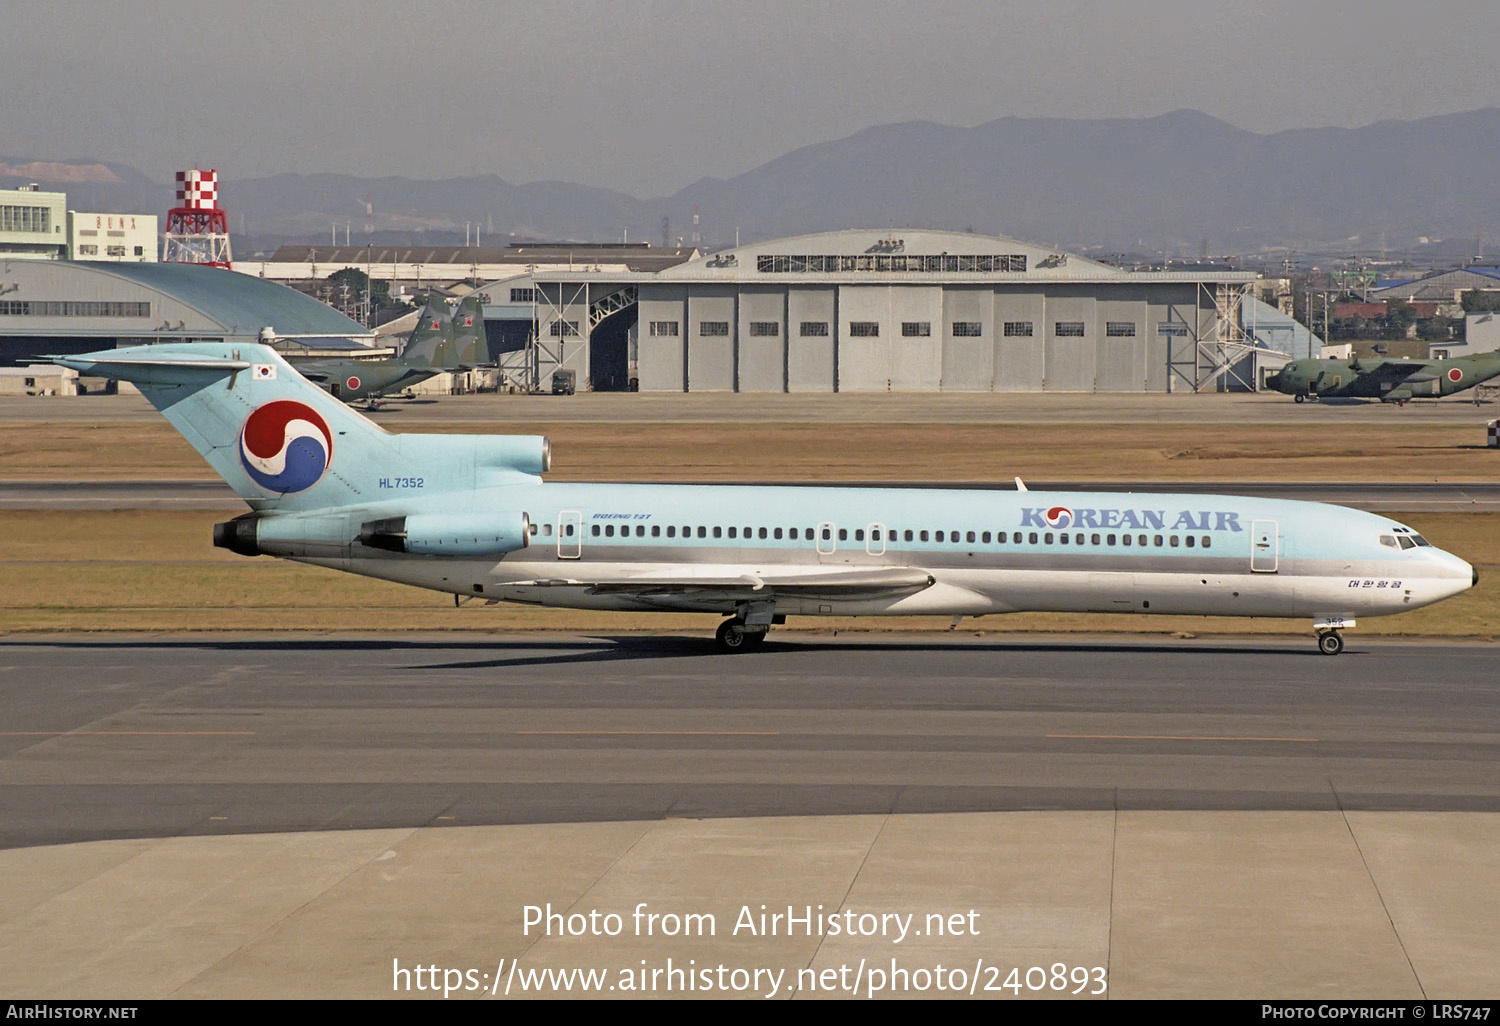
column 881, row 311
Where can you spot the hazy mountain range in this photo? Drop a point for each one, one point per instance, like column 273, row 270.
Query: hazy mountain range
column 1170, row 182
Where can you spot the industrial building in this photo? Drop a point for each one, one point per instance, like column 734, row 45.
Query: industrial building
column 37, row 225
column 58, row 306
column 123, row 237
column 873, row 310
column 32, row 224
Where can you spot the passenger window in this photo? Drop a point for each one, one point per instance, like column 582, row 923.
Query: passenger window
column 970, row 536
column 985, row 538
column 595, row 530
column 718, row 532
column 923, row 535
column 1205, row 541
column 671, row 530
column 1125, row 538
column 1174, row 541
column 547, row 530
column 1048, row 538
column 793, row 534
column 908, row 534
column 656, row 530
column 777, row 533
column 1141, row 540
column 640, row 531
column 702, row 531
column 747, row 533
column 533, row 530
column 1063, row 538
column 731, row 532
column 762, row 532
column 859, row 535
column 843, row 534
column 1108, row 541
column 1033, row 538
column 609, row 530
column 568, row 530
column 1017, row 537
column 1190, row 540
column 1158, row 541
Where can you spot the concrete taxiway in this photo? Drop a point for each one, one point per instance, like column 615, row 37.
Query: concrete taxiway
column 294, row 816
column 216, row 495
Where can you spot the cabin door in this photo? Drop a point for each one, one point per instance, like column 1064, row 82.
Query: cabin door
column 827, row 541
column 1265, row 544
column 569, row 534
column 875, row 540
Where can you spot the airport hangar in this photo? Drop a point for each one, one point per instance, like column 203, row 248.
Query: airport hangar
column 60, row 306
column 879, row 310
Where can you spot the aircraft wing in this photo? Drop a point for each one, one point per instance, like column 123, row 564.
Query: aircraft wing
column 846, row 582
column 1402, row 370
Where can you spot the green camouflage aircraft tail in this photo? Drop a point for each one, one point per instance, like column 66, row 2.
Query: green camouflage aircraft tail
column 431, row 343
column 469, row 344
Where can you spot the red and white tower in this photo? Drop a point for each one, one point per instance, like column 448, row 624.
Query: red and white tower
column 197, row 228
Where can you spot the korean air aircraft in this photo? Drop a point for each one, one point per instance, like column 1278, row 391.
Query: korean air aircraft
column 471, row 515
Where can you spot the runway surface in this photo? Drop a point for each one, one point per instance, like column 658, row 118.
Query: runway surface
column 283, row 816
column 215, row 495
column 143, row 737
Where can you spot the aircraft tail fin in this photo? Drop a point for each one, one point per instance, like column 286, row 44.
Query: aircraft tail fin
column 470, row 347
column 267, row 430
column 286, row 446
column 431, row 344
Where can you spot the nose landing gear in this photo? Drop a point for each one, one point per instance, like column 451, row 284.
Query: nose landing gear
column 1330, row 641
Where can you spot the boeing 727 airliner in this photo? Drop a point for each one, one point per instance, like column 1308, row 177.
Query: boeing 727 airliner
column 471, row 515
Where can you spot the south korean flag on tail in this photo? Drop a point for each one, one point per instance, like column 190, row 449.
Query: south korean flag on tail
column 263, row 371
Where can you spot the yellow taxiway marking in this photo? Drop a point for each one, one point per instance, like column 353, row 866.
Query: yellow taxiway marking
column 1175, row 737
column 673, row 733
column 127, row 733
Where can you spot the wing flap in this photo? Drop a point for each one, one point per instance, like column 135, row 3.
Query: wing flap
column 760, row 584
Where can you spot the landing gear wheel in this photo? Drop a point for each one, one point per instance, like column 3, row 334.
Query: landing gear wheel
column 732, row 636
column 1330, row 643
column 1299, row 398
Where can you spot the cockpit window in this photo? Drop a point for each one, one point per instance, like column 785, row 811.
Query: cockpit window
column 1406, row 542
column 1420, row 540
column 1388, row 540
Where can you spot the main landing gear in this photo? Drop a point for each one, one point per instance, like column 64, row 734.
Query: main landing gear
column 735, row 636
column 747, row 628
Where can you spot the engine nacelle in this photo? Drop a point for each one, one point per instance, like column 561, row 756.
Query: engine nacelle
column 449, row 534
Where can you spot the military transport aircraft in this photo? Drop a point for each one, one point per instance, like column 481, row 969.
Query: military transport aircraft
column 429, row 351
column 1388, row 380
column 472, row 516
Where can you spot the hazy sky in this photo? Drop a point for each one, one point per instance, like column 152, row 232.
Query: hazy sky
column 646, row 96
